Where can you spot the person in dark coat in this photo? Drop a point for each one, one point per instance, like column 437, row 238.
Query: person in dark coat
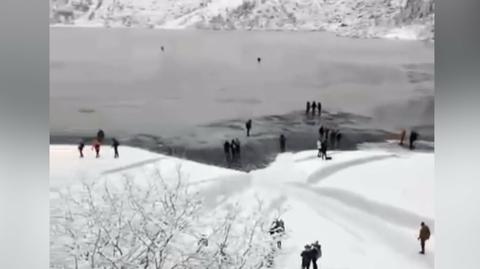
column 317, row 253
column 233, row 149
column 226, row 150
column 314, row 108
column 237, row 142
column 402, row 137
column 248, row 126
column 423, row 236
column 338, row 137
column 80, row 148
column 115, row 145
column 100, row 135
column 319, row 108
column 413, row 138
column 306, row 257
column 324, row 149
column 308, row 108
column 321, row 131
column 283, row 143
column 259, row 59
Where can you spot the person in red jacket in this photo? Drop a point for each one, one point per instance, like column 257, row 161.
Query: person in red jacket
column 96, row 147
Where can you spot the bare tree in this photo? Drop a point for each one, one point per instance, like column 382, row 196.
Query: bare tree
column 123, row 224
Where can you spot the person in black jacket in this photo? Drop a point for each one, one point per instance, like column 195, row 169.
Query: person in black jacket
column 248, row 126
column 283, row 143
column 317, row 253
column 413, row 138
column 319, row 108
column 308, row 108
column 226, row 150
column 115, row 145
column 80, row 148
column 314, row 107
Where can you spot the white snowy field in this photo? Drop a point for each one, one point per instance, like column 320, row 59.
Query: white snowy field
column 364, row 206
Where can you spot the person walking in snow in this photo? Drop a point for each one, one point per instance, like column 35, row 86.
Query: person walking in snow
column 316, row 253
column 402, row 136
column 423, row 236
column 115, row 145
column 308, row 108
column 96, row 146
column 324, row 149
column 319, row 108
column 307, row 256
column 80, row 148
column 283, row 142
column 413, row 138
column 226, row 150
column 248, row 126
column 314, row 107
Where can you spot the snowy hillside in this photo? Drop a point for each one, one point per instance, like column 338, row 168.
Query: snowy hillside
column 363, row 206
column 405, row 19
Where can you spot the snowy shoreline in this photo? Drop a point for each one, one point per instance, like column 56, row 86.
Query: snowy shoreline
column 354, row 205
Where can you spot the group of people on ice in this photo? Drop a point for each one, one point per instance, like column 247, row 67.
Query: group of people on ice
column 232, row 150
column 97, row 143
column 314, row 107
column 310, row 255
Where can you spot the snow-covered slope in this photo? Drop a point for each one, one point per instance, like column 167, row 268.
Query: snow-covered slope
column 363, row 206
column 405, row 19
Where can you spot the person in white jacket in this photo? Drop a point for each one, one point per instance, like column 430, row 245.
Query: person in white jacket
column 319, row 147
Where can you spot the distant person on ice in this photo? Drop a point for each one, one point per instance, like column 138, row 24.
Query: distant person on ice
column 115, row 145
column 96, row 146
column 259, row 59
column 319, row 108
column 226, row 150
column 321, row 131
column 413, row 138
column 314, row 107
column 80, row 148
column 308, row 108
column 100, row 135
column 248, row 126
column 402, row 136
column 307, row 257
column 235, row 149
column 283, row 143
column 423, row 236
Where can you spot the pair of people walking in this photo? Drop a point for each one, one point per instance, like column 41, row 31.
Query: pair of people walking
column 310, row 255
column 232, row 150
column 313, row 107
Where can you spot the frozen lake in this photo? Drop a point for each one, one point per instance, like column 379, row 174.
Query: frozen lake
column 206, row 83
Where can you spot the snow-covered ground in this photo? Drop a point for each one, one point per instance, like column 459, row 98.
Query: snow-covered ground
column 363, row 206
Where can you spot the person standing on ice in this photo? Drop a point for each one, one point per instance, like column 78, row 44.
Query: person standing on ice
column 96, row 146
column 248, row 126
column 423, row 236
column 283, row 143
column 100, row 135
column 226, row 150
column 314, row 107
column 80, row 148
column 321, row 131
column 306, row 257
column 259, row 59
column 308, row 108
column 413, row 138
column 319, row 108
column 115, row 145
column 402, row 136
